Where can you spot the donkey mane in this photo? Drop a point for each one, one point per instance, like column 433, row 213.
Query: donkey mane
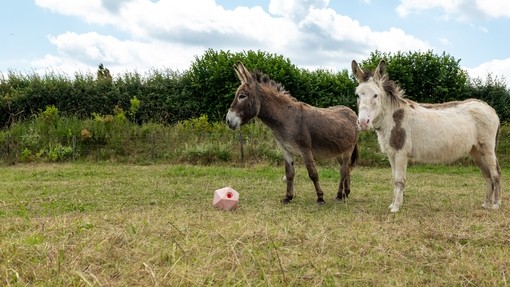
column 264, row 79
column 391, row 88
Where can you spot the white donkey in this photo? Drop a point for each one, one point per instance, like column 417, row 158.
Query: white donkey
column 427, row 133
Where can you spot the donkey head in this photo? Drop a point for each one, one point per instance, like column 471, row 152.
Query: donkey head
column 246, row 104
column 370, row 94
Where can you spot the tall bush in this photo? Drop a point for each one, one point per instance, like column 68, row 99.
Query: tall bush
column 323, row 88
column 424, row 76
column 211, row 81
column 494, row 92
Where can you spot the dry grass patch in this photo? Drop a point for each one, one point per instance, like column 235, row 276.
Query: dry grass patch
column 126, row 225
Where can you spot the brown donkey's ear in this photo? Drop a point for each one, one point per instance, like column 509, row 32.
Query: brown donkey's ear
column 242, row 73
column 357, row 71
column 380, row 70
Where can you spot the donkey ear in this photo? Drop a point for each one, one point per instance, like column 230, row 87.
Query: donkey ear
column 357, row 71
column 380, row 70
column 242, row 73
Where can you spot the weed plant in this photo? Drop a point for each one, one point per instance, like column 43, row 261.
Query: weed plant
column 50, row 136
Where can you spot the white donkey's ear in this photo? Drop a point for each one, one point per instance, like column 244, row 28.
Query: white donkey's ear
column 380, row 70
column 357, row 71
column 242, row 73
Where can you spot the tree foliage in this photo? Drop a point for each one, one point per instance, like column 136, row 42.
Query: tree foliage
column 425, row 77
column 323, row 88
column 212, row 82
column 494, row 92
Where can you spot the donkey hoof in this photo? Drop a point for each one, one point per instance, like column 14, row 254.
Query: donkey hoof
column 286, row 200
column 486, row 205
column 394, row 208
column 320, row 201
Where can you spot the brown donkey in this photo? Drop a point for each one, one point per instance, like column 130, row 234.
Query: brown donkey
column 299, row 129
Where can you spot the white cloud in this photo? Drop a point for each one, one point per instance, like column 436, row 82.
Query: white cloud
column 169, row 33
column 499, row 69
column 396, row 40
column 85, row 51
column 407, row 7
column 462, row 9
column 494, row 8
column 337, row 39
column 445, row 41
column 68, row 66
column 91, row 11
column 208, row 22
column 295, row 9
column 338, row 27
column 479, row 28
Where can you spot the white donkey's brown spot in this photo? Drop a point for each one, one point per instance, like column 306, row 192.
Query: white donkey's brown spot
column 398, row 134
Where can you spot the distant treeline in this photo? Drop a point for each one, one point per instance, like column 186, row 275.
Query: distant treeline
column 208, row 87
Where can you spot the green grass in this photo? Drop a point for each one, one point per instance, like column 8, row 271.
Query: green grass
column 89, row 224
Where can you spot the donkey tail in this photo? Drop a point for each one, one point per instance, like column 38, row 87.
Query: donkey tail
column 495, row 147
column 496, row 142
column 354, row 156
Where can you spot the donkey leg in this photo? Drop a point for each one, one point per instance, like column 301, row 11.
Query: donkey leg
column 488, row 182
column 314, row 175
column 392, row 164
column 289, row 177
column 344, row 187
column 491, row 173
column 496, row 185
column 399, row 168
column 495, row 180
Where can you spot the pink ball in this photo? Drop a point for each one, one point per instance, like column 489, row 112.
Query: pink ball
column 226, row 198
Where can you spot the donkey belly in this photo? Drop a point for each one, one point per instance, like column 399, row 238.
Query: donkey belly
column 288, row 146
column 327, row 148
column 326, row 154
column 326, row 133
column 319, row 153
column 443, row 149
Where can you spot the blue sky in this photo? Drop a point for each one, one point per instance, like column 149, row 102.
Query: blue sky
column 138, row 35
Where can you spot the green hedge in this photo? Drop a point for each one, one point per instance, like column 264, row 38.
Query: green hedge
column 208, row 87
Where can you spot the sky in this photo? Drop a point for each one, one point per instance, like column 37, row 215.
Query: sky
column 75, row 36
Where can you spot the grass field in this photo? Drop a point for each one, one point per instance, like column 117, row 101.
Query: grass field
column 87, row 224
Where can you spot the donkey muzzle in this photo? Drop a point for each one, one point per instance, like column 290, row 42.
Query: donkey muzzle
column 233, row 121
column 363, row 124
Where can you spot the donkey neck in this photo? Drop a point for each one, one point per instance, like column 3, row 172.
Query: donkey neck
column 276, row 108
column 385, row 122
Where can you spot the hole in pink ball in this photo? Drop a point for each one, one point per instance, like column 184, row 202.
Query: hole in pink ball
column 229, row 194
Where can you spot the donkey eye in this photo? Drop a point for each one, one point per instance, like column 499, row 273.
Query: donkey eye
column 375, row 96
column 242, row 96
